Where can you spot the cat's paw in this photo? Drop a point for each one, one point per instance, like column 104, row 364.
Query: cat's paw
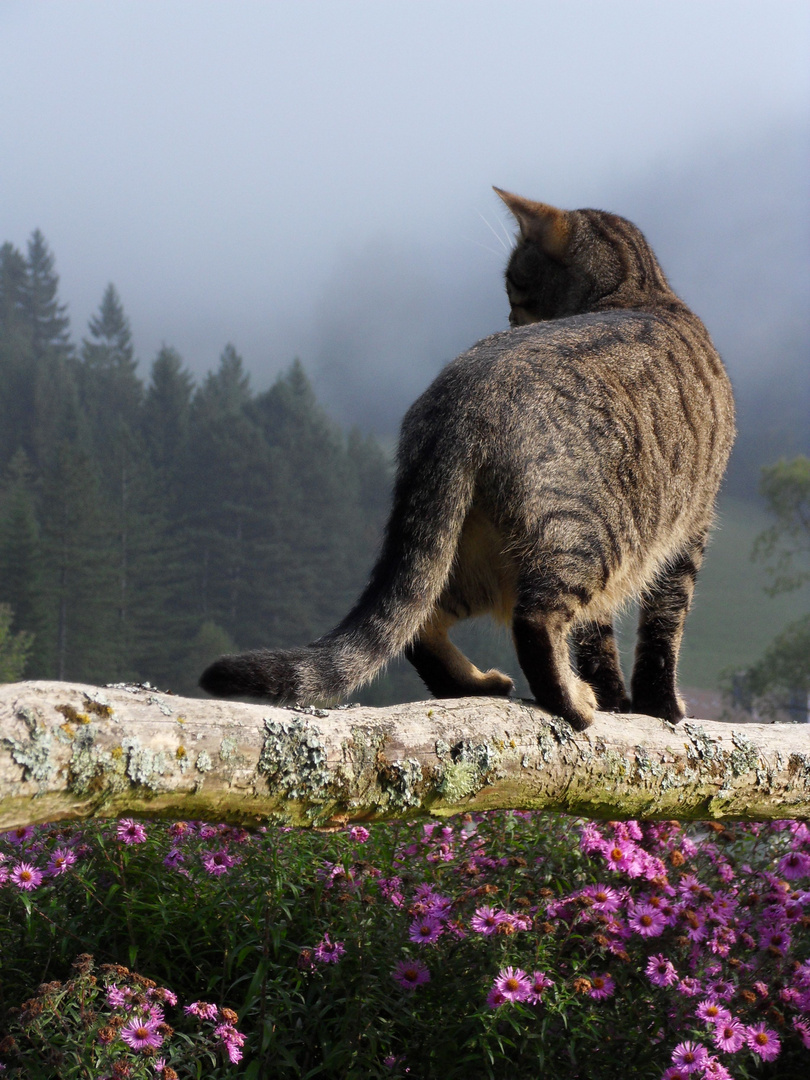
column 495, row 684
column 575, row 702
column 664, row 706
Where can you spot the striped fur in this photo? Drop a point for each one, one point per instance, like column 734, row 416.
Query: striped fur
column 548, row 475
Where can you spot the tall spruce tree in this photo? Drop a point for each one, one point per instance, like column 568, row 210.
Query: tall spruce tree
column 17, row 369
column 56, row 415
column 22, row 583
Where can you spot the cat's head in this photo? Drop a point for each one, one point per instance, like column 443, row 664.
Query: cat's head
column 568, row 262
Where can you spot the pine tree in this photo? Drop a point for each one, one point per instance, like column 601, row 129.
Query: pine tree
column 17, row 372
column 56, row 413
column 79, row 570
column 111, row 390
column 21, row 562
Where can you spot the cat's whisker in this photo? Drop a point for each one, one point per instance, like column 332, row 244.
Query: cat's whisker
column 478, row 243
column 495, row 234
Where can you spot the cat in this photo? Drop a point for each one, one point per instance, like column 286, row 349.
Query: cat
column 547, row 476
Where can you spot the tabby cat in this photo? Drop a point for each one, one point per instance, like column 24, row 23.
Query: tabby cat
column 548, row 475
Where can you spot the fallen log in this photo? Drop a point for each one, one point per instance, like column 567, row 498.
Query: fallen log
column 72, row 751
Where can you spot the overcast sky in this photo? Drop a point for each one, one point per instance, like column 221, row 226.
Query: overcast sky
column 226, row 165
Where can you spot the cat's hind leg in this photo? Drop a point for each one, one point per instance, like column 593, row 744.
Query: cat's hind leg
column 664, row 606
column 599, row 665
column 541, row 640
column 445, row 670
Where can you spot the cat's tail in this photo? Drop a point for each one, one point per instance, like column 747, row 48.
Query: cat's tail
column 431, row 499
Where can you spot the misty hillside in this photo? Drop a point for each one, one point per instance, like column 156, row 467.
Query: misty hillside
column 730, row 228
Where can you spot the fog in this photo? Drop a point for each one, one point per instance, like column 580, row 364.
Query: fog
column 313, row 179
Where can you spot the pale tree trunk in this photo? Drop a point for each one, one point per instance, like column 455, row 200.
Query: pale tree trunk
column 72, row 751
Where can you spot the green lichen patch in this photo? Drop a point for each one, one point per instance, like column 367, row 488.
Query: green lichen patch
column 294, row 760
column 466, row 768
column 402, row 783
column 93, row 770
column 34, row 753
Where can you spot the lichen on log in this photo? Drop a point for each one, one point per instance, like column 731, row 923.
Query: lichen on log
column 71, row 751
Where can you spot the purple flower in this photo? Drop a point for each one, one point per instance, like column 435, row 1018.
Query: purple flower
column 602, row 986
column 410, row 974
column 131, row 832
column 61, row 860
column 202, row 1009
column 540, row 982
column 218, row 862
column 795, row 864
column 486, row 920
column 603, row 898
column 729, row 1035
column 233, row 1040
column 514, row 984
column 26, row 876
column 690, row 1056
column 763, row 1041
column 425, row 931
column 19, row 835
column 647, row 921
column 359, row 834
column 712, row 1013
column 141, row 1034
column 328, row 951
column 661, row 971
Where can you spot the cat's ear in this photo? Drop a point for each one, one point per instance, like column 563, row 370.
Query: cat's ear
column 545, row 225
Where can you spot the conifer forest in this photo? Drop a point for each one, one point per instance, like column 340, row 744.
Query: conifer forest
column 146, row 527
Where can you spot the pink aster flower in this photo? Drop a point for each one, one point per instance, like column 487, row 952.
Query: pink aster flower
column 619, row 854
column 715, row 1070
column 602, row 986
column 486, row 920
column 603, row 898
column 711, row 1012
column 540, row 982
column 20, row 834
column 131, row 832
column 514, row 984
column 729, row 1035
column 203, row 1009
column 359, row 834
column 62, row 859
column 661, row 971
column 233, row 1040
column 763, row 1041
column 495, row 998
column 802, row 1027
column 410, row 974
column 218, row 862
column 118, row 997
column 647, row 921
column 690, row 1056
column 328, row 951
column 674, row 1072
column 425, row 931
column 140, row 1034
column 26, row 876
column 795, row 864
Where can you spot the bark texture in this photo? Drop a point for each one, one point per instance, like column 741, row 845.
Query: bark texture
column 73, row 751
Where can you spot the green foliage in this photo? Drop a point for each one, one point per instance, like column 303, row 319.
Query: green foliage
column 786, row 544
column 780, row 679
column 139, row 525
column 302, row 934
column 14, row 648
